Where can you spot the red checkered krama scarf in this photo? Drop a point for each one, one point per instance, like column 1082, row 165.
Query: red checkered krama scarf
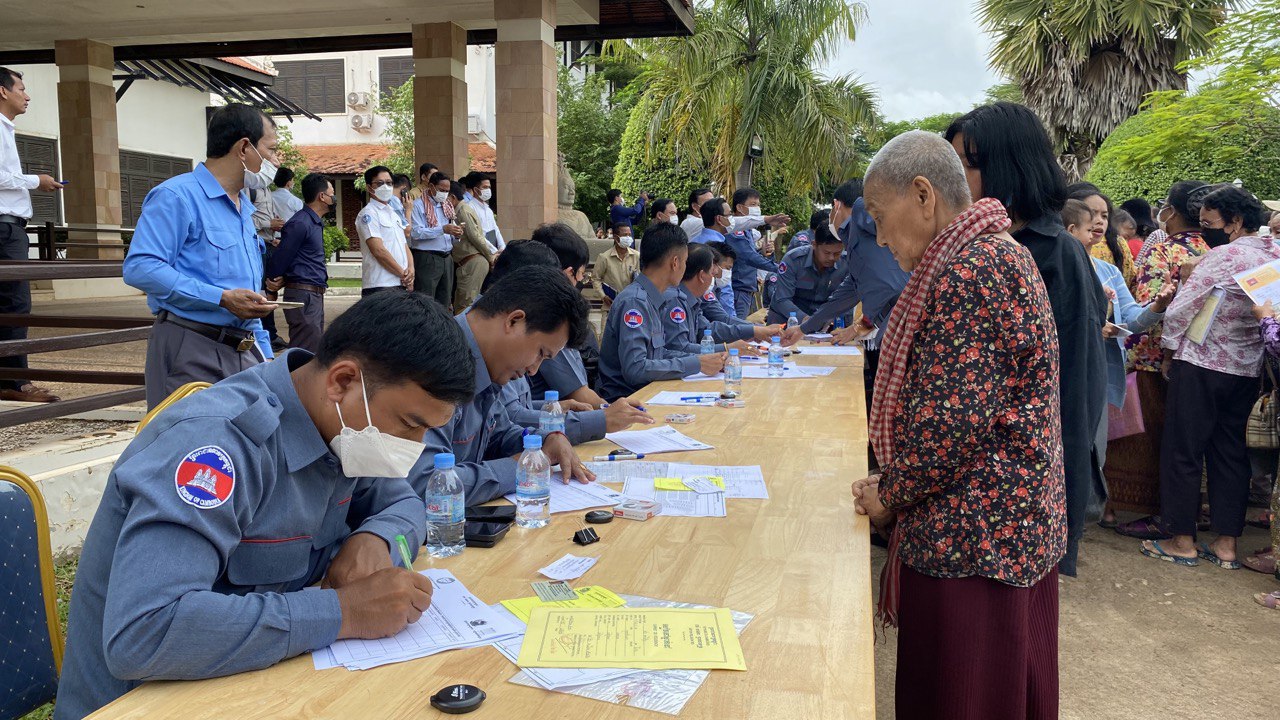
column 983, row 218
column 429, row 206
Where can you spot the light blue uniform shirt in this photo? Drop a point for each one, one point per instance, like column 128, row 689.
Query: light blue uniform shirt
column 191, row 243
column 799, row 286
column 214, row 524
column 708, row 235
column 481, row 436
column 633, row 350
column 579, row 427
column 1136, row 318
column 424, row 236
column 684, row 322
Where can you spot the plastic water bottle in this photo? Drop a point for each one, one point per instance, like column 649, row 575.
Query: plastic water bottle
column 533, row 485
column 708, row 343
column 552, row 419
column 446, row 509
column 733, row 375
column 792, row 321
column 776, row 368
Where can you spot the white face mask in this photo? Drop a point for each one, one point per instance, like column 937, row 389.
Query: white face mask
column 626, row 241
column 725, row 279
column 753, row 211
column 486, row 195
column 674, row 220
column 440, row 197
column 384, row 193
column 371, row 452
column 834, row 230
column 263, row 178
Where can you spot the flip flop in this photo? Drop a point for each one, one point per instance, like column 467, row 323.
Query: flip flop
column 1204, row 552
column 1269, row 600
column 1159, row 554
column 1147, row 528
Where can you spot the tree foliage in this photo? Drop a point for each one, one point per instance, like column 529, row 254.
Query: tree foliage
column 289, row 156
column 590, row 127
column 1237, row 101
column 396, row 108
column 1085, row 66
column 748, row 71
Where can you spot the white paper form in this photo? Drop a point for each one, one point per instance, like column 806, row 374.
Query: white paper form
column 818, row 337
column 618, row 471
column 741, row 482
column 676, row 503
column 816, row 350
column 657, row 440
column 757, row 372
column 577, row 496
column 687, row 399
column 456, row 619
column 817, row 370
column 569, row 567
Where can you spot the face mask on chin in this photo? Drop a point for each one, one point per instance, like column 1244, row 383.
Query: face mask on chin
column 371, row 452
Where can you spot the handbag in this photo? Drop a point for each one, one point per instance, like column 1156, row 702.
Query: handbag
column 1126, row 420
column 1260, row 431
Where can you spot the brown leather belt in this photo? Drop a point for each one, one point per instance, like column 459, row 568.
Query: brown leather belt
column 317, row 289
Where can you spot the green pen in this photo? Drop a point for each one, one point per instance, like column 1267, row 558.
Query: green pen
column 406, row 557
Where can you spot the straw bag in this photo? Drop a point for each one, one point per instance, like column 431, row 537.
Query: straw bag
column 1260, row 432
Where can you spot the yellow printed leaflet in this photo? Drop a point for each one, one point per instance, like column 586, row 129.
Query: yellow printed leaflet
column 591, row 596
column 646, row 638
column 678, row 485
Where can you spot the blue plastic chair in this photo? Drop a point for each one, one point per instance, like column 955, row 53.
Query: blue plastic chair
column 31, row 654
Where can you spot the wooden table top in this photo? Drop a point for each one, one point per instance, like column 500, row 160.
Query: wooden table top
column 799, row 562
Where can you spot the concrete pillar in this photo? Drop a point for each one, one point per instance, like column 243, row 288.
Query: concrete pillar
column 440, row 97
column 90, row 145
column 525, row 78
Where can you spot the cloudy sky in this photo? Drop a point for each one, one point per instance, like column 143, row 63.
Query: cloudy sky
column 923, row 57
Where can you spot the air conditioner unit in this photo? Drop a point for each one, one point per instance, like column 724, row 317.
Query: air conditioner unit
column 475, row 125
column 362, row 123
column 358, row 100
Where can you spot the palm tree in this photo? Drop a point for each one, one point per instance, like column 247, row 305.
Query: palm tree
column 1085, row 66
column 747, row 78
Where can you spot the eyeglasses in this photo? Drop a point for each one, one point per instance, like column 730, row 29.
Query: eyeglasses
column 381, row 183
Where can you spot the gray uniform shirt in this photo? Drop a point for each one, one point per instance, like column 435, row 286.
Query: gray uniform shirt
column 724, row 327
column 801, row 288
column 579, row 427
column 481, row 436
column 565, row 373
column 633, row 351
column 684, row 323
column 214, row 523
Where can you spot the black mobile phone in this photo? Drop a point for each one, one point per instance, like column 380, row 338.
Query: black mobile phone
column 492, row 513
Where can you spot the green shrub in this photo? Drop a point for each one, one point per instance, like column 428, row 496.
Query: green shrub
column 1221, row 161
column 334, row 240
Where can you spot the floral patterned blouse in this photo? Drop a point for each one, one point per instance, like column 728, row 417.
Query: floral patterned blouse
column 1271, row 336
column 977, row 471
column 1233, row 345
column 1161, row 265
column 1124, row 262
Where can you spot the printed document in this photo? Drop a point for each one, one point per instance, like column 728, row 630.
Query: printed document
column 577, row 496
column 658, row 440
column 650, row 639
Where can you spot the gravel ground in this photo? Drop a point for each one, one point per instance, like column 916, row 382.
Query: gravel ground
column 22, row 437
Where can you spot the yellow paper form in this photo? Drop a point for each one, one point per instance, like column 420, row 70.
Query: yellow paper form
column 592, row 596
column 677, row 485
column 647, row 638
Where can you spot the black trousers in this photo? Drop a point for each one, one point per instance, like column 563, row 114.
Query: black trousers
column 15, row 298
column 1205, row 416
column 433, row 275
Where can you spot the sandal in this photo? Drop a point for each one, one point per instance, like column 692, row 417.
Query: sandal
column 1263, row 561
column 1147, row 528
column 1158, row 553
column 1204, row 552
column 1269, row 600
column 1261, row 520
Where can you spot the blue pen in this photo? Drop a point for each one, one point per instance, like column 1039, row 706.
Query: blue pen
column 613, row 456
column 697, row 398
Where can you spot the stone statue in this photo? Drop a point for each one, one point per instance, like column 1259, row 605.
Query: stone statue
column 568, row 192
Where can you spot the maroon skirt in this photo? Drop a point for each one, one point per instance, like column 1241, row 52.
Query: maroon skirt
column 977, row 649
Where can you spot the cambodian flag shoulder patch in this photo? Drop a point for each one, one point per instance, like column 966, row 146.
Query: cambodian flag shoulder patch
column 633, row 319
column 205, row 478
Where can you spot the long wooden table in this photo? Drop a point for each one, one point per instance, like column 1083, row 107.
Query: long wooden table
column 799, row 562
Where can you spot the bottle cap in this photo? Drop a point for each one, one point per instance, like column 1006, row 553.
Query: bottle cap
column 532, row 442
column 791, row 315
column 775, row 339
column 551, row 396
column 444, row 461
column 733, row 352
column 706, row 333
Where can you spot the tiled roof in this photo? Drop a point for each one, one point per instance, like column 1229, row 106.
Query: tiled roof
column 248, row 65
column 354, row 159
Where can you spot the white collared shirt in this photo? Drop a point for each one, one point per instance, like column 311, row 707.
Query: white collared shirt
column 488, row 223
column 286, row 203
column 380, row 220
column 15, row 187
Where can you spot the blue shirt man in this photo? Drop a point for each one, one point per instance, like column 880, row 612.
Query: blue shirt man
column 620, row 214
column 805, row 280
column 197, row 256
column 708, row 235
column 212, row 572
column 747, row 261
column 873, row 277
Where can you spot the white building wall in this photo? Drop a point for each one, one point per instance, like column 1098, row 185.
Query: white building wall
column 361, row 72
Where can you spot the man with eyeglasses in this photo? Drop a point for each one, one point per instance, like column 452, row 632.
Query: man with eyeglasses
column 382, row 236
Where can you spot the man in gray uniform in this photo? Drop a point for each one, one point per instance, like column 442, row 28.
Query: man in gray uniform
column 210, row 573
column 682, row 317
column 633, row 352
column 806, row 277
column 519, row 322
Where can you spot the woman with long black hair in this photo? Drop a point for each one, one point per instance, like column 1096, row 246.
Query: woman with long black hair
column 1110, row 248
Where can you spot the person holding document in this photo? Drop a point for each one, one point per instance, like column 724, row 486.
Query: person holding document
column 220, row 518
column 1212, row 386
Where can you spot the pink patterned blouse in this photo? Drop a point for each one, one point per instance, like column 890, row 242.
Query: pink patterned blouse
column 1234, row 345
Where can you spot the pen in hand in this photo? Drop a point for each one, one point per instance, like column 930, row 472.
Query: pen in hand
column 406, row 557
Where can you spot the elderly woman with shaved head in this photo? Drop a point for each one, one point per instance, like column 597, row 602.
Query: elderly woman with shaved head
column 965, row 422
